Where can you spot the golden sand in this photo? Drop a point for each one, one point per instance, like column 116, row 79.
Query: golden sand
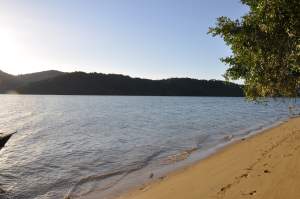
column 265, row 166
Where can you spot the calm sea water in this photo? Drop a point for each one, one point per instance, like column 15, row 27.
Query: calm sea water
column 79, row 145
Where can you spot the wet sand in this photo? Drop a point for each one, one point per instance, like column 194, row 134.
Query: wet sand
column 265, row 166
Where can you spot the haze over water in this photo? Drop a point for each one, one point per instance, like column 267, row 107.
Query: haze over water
column 80, row 144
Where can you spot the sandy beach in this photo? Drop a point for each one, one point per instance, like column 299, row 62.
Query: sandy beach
column 265, row 166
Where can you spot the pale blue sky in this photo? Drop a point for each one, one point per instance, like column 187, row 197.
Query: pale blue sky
column 146, row 38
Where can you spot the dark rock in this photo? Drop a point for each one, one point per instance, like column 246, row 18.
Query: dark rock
column 4, row 139
column 151, row 175
column 1, row 191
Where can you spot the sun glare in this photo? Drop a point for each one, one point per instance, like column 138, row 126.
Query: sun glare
column 13, row 52
column 9, row 48
column 9, row 45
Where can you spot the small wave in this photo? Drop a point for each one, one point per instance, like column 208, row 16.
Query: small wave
column 179, row 156
column 228, row 137
column 201, row 139
column 73, row 192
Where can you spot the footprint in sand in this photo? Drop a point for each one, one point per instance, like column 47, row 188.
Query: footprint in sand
column 223, row 189
column 287, row 155
column 244, row 175
column 252, row 193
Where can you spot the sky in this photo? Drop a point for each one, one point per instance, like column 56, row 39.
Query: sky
column 142, row 38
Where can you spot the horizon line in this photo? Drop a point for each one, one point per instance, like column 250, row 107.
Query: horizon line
column 89, row 72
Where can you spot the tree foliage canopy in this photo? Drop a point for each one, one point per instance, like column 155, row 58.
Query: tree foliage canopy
column 265, row 46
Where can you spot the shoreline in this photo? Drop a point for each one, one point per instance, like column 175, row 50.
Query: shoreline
column 110, row 154
column 162, row 187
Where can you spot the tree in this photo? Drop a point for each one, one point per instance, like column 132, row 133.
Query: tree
column 265, row 46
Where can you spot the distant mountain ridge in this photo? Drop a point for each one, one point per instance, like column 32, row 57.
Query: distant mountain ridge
column 80, row 83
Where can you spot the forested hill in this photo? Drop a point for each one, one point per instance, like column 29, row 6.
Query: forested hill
column 80, row 83
column 10, row 83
